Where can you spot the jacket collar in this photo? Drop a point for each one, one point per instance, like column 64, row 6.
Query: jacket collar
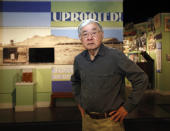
column 101, row 51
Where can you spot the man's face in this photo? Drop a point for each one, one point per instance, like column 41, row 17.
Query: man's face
column 91, row 36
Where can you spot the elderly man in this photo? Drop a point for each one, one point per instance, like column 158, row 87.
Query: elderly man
column 98, row 81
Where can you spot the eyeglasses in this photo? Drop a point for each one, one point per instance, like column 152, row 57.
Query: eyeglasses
column 93, row 34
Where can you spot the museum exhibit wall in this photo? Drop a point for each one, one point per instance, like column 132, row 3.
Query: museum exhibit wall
column 154, row 39
column 162, row 52
column 41, row 37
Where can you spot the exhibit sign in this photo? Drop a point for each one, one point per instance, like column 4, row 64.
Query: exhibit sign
column 158, row 56
column 71, row 13
column 61, row 78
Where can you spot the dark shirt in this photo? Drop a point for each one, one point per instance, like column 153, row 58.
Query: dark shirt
column 99, row 85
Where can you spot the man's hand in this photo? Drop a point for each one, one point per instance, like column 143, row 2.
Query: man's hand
column 118, row 115
column 81, row 110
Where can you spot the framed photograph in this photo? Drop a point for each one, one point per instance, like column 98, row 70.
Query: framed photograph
column 157, row 21
column 167, row 23
column 14, row 55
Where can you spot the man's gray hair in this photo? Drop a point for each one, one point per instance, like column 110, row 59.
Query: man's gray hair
column 86, row 22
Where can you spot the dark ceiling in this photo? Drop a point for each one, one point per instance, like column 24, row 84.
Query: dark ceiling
column 137, row 11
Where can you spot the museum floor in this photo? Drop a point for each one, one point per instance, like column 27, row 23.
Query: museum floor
column 148, row 116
